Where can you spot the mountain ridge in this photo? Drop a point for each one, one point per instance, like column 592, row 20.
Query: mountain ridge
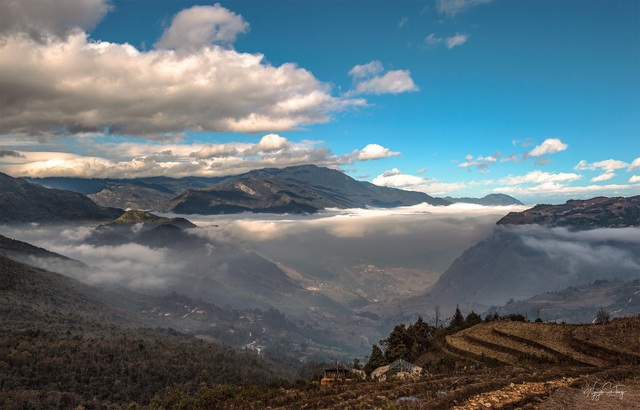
column 598, row 212
column 21, row 201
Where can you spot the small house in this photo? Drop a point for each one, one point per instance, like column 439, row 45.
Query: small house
column 337, row 374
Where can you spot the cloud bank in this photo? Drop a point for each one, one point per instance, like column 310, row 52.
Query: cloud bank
column 132, row 159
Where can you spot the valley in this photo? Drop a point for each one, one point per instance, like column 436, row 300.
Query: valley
column 274, row 298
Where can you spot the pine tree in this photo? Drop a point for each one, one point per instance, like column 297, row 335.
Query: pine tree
column 376, row 359
column 457, row 321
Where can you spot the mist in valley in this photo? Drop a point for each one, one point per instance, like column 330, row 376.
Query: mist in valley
column 338, row 262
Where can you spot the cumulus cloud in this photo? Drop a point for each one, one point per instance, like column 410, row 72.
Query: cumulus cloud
column 201, row 26
column 603, row 177
column 368, row 79
column 480, row 162
column 453, row 7
column 71, row 85
column 394, row 178
column 375, row 151
column 214, row 151
column 609, row 167
column 272, row 142
column 45, row 20
column 370, row 69
column 458, row 39
column 548, row 146
column 634, row 178
column 635, row 164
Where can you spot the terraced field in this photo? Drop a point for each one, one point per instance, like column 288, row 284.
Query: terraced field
column 517, row 343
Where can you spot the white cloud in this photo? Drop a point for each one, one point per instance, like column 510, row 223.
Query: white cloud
column 603, row 177
column 394, row 178
column 538, row 177
column 393, row 82
column 458, row 39
column 635, row 179
column 375, row 151
column 42, row 20
column 609, row 167
column 453, row 7
column 72, row 85
column 268, row 143
column 370, row 69
column 213, row 151
column 635, row 164
column 201, row 26
column 583, row 166
column 549, row 146
column 480, row 162
column 368, row 79
column 554, row 189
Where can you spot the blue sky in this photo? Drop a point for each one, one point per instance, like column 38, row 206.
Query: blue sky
column 537, row 99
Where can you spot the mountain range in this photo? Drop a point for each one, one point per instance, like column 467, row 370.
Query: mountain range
column 299, row 189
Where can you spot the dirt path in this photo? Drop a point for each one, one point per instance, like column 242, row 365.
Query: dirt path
column 514, row 394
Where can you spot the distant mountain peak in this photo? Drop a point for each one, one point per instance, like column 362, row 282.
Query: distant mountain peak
column 137, row 216
column 487, row 200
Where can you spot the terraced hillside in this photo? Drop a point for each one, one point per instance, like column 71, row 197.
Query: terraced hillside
column 522, row 344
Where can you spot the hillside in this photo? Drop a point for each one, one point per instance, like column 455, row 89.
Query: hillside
column 580, row 304
column 21, row 201
column 65, row 344
column 499, row 365
column 147, row 218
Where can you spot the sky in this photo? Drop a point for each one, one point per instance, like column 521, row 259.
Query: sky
column 536, row 99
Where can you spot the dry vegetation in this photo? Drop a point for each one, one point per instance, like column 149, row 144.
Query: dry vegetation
column 546, row 371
